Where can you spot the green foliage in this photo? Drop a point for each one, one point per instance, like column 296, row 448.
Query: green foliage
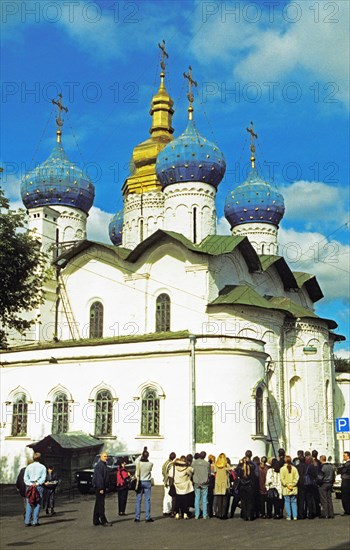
column 341, row 364
column 22, row 271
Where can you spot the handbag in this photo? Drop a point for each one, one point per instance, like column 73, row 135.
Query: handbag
column 234, row 487
column 132, row 483
column 308, row 480
column 272, row 494
column 138, row 486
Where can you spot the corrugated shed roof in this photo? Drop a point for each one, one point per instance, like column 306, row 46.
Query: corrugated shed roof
column 69, row 440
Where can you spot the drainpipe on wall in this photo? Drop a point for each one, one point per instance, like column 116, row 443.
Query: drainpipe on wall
column 55, row 336
column 193, row 340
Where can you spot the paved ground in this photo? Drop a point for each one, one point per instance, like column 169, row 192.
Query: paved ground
column 72, row 529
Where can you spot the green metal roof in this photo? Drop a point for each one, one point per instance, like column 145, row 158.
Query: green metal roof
column 69, row 440
column 213, row 245
column 282, row 268
column 216, row 245
column 245, row 295
column 311, row 284
column 63, row 259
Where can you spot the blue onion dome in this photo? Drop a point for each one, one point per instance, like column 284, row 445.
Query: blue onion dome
column 254, row 201
column 57, row 181
column 115, row 228
column 190, row 157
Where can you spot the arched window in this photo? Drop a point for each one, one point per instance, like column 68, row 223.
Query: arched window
column 163, row 313
column 141, row 230
column 259, row 411
column 150, row 412
column 329, row 405
column 104, row 413
column 194, row 224
column 96, row 320
column 19, row 416
column 295, row 399
column 60, row 414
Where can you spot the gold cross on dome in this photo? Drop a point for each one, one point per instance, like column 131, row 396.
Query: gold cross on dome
column 251, row 131
column 165, row 55
column 190, row 96
column 253, row 136
column 59, row 121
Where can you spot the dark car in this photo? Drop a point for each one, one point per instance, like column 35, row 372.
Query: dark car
column 84, row 477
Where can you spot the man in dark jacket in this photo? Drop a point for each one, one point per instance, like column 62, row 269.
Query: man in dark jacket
column 21, row 487
column 301, row 497
column 326, row 478
column 345, row 483
column 100, row 482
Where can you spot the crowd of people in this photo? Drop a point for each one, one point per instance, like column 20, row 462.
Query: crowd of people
column 260, row 487
column 201, row 487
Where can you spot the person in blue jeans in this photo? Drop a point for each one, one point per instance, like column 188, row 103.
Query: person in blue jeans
column 143, row 474
column 34, row 478
column 201, row 475
column 289, row 480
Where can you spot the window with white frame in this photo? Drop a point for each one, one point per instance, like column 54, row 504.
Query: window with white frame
column 96, row 320
column 163, row 313
column 60, row 414
column 259, row 411
column 103, row 413
column 150, row 416
column 19, row 415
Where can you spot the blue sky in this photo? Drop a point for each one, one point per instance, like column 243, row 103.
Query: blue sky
column 282, row 64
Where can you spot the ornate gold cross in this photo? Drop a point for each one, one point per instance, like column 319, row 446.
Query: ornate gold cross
column 252, row 146
column 190, row 96
column 165, row 55
column 59, row 121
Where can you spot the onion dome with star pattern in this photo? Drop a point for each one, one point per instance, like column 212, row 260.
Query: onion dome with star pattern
column 57, row 181
column 190, row 157
column 254, row 201
column 115, row 228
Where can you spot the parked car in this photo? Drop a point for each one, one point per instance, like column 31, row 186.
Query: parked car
column 337, row 486
column 84, row 477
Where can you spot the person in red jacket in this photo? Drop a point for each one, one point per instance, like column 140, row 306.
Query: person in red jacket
column 122, row 486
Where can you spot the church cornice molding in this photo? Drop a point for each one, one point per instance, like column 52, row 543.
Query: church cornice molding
column 136, row 277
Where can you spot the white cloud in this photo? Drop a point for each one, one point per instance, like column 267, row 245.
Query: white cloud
column 97, row 225
column 11, row 185
column 314, row 47
column 309, row 202
column 223, row 227
column 104, row 31
column 343, row 353
column 313, row 253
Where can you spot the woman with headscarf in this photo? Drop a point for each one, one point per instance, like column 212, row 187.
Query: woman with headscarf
column 222, row 484
column 246, row 476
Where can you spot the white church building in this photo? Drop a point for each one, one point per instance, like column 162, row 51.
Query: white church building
column 172, row 337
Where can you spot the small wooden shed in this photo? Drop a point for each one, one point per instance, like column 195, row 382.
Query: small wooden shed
column 68, row 453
